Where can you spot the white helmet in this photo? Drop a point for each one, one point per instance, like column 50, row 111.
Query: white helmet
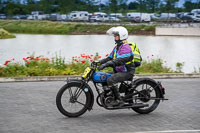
column 121, row 31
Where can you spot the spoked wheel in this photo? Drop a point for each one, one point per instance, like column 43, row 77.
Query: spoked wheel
column 71, row 100
column 146, row 92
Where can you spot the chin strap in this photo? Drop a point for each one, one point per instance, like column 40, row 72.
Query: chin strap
column 120, row 42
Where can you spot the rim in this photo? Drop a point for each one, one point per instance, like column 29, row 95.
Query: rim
column 145, row 91
column 73, row 100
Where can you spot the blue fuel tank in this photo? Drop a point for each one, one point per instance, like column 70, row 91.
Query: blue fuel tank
column 100, row 77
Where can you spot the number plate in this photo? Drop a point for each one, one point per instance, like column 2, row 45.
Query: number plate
column 86, row 72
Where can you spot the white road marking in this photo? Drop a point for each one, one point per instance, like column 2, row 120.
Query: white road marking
column 167, row 131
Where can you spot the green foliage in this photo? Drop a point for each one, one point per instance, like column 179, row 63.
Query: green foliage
column 5, row 34
column 40, row 66
column 189, row 6
column 47, row 27
column 196, row 70
column 153, row 66
column 179, row 66
column 36, row 27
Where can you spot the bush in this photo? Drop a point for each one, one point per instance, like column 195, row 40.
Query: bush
column 153, row 66
column 41, row 66
column 179, row 67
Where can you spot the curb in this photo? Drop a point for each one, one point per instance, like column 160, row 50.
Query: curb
column 63, row 78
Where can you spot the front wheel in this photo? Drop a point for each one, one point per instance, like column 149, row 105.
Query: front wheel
column 146, row 92
column 72, row 100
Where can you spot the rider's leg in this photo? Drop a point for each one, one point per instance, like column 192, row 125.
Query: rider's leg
column 112, row 83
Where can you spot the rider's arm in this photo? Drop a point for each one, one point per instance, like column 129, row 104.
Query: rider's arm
column 105, row 60
column 125, row 56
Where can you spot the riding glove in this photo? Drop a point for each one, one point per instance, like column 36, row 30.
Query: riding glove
column 101, row 67
column 107, row 64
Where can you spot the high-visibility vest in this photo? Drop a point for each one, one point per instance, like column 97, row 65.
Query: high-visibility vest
column 136, row 53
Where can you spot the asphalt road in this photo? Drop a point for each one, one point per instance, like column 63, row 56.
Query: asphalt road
column 29, row 107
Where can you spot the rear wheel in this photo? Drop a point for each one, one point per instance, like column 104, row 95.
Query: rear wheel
column 146, row 92
column 72, row 101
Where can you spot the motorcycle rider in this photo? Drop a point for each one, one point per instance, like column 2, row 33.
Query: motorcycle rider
column 121, row 60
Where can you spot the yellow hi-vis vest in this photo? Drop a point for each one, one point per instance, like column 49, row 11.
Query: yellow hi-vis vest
column 136, row 53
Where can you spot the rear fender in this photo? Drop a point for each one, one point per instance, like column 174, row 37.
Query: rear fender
column 84, row 85
column 156, row 84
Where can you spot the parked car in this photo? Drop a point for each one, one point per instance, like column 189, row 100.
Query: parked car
column 79, row 16
column 130, row 15
column 114, row 19
column 155, row 16
column 117, row 15
column 2, row 16
column 16, row 17
column 30, row 17
column 188, row 17
column 55, row 17
column 102, row 16
column 163, row 16
column 145, row 17
column 137, row 19
column 196, row 17
column 195, row 11
column 96, row 18
column 23, row 16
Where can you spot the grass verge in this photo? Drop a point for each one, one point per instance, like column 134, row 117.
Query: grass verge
column 5, row 34
column 49, row 27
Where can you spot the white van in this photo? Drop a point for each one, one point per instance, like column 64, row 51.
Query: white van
column 79, row 16
column 131, row 15
column 139, row 17
column 195, row 11
column 100, row 16
column 145, row 17
column 117, row 15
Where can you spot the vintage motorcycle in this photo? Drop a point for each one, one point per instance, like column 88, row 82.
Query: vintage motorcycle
column 142, row 95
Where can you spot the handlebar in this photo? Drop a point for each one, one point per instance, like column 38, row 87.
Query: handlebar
column 94, row 65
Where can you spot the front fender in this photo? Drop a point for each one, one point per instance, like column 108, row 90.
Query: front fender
column 155, row 83
column 84, row 85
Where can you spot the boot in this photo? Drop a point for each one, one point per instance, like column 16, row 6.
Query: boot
column 118, row 100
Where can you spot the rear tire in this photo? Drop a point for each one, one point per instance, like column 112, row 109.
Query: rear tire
column 144, row 88
column 83, row 100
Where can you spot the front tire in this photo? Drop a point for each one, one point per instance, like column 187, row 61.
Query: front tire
column 73, row 101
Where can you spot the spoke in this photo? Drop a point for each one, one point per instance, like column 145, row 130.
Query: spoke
column 80, row 103
column 150, row 88
column 75, row 107
column 142, row 86
column 70, row 92
column 138, row 92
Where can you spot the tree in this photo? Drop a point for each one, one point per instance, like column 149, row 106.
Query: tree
column 122, row 6
column 133, row 5
column 113, row 5
column 91, row 5
column 152, row 5
column 189, row 6
column 66, row 5
column 170, row 5
column 142, row 7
